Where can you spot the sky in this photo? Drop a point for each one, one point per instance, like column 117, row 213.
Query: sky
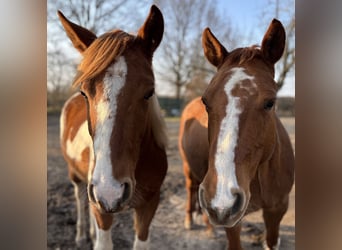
column 243, row 13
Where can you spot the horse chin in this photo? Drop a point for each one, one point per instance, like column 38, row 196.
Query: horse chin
column 223, row 218
column 115, row 209
column 226, row 221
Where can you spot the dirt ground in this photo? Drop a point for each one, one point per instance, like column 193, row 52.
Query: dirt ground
column 167, row 231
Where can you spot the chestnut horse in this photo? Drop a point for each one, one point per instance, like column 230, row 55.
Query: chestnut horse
column 113, row 136
column 236, row 153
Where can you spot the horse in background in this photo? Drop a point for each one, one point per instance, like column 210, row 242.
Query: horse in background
column 112, row 134
column 237, row 156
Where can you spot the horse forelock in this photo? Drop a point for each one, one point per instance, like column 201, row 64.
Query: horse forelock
column 101, row 53
column 244, row 55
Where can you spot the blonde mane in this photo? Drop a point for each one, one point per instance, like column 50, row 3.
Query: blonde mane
column 101, row 54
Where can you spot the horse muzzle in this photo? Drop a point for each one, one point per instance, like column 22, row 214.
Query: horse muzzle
column 110, row 198
column 226, row 216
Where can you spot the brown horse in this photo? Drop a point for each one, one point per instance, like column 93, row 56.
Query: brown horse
column 236, row 153
column 113, row 136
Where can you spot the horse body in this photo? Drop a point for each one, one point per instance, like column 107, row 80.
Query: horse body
column 236, row 153
column 113, row 136
column 194, row 147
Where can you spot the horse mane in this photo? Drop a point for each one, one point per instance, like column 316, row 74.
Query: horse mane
column 101, row 54
column 157, row 123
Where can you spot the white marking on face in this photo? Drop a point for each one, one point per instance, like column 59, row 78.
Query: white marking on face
column 227, row 140
column 250, row 88
column 79, row 143
column 114, row 80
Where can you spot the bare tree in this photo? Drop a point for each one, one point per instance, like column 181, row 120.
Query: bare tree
column 98, row 15
column 181, row 50
column 195, row 87
column 60, row 70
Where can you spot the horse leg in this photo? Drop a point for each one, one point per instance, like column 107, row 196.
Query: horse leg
column 80, row 189
column 92, row 222
column 272, row 218
column 191, row 195
column 103, row 226
column 233, row 235
column 142, row 220
column 210, row 231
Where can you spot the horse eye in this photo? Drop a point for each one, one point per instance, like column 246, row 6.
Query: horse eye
column 83, row 94
column 149, row 94
column 269, row 104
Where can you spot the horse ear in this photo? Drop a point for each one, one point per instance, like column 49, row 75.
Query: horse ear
column 273, row 43
column 80, row 37
column 151, row 32
column 214, row 51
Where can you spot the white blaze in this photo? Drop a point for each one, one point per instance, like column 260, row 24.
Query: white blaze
column 226, row 144
column 106, row 109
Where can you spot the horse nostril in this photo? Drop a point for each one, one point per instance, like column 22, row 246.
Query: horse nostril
column 127, row 191
column 101, row 204
column 91, row 192
column 239, row 201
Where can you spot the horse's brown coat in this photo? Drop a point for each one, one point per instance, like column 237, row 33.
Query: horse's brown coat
column 264, row 159
column 138, row 139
